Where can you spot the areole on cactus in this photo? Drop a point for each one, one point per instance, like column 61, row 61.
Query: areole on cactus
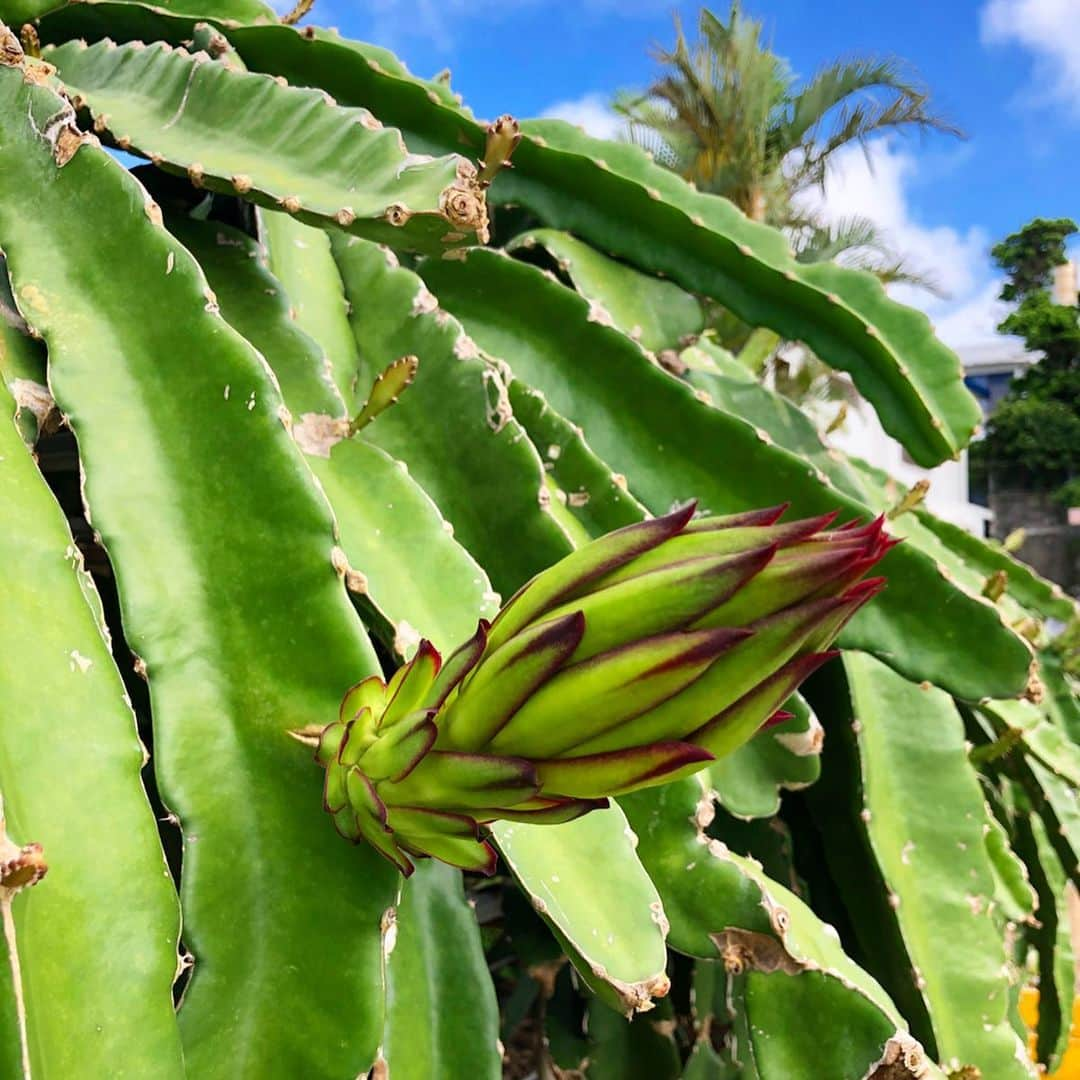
column 635, row 661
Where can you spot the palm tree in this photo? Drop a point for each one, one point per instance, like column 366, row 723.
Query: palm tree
column 728, row 114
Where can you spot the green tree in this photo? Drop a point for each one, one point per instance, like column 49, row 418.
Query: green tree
column 1033, row 437
column 1029, row 257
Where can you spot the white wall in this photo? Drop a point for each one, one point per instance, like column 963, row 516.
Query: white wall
column 863, row 436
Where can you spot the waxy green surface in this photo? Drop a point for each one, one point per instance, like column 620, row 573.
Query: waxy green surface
column 1052, row 941
column 594, row 189
column 716, row 889
column 963, row 565
column 643, row 1047
column 986, row 557
column 733, row 390
column 594, row 496
column 700, row 241
column 585, row 879
column 273, row 144
column 97, row 938
column 706, row 245
column 1042, row 739
column 437, row 980
column 1013, row 895
column 222, row 548
column 453, row 427
column 924, row 816
column 1062, row 698
column 168, row 12
column 655, row 312
column 717, row 900
column 671, row 447
column 786, row 755
column 383, row 517
column 442, row 1019
column 1059, row 805
column 299, row 256
column 967, row 561
column 22, row 365
column 854, row 1049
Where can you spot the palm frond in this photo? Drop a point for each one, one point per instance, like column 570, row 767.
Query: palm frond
column 855, row 100
column 816, row 241
column 857, row 242
column 724, row 112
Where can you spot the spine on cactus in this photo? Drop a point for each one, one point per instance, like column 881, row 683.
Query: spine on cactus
column 634, row 661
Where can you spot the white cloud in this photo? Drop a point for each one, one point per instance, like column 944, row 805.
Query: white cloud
column 973, row 321
column 1051, row 30
column 878, row 186
column 592, row 112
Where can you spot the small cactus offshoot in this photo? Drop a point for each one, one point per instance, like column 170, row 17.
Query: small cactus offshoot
column 636, row 660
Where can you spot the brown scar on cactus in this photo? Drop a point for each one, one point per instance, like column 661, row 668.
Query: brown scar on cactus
column 21, row 867
column 60, row 130
column 355, row 581
column 1035, row 690
column 464, row 203
column 994, row 586
column 741, row 950
column 748, row 950
column 318, row 433
column 214, row 43
column 11, row 50
column 398, row 215
column 636, row 997
column 34, row 398
column 903, row 1058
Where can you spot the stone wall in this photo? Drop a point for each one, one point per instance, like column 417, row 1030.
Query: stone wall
column 1052, row 545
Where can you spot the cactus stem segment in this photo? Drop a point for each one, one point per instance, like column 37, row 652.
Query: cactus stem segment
column 301, row 9
column 915, row 496
column 503, row 137
column 385, row 391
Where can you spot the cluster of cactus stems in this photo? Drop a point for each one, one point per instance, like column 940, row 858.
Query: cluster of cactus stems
column 635, row 661
column 295, row 242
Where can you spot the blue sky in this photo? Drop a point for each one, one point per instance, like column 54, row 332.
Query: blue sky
column 1006, row 71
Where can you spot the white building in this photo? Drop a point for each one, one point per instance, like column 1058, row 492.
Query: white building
column 988, row 371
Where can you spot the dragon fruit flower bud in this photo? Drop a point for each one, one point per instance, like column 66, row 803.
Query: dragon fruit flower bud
column 636, row 660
